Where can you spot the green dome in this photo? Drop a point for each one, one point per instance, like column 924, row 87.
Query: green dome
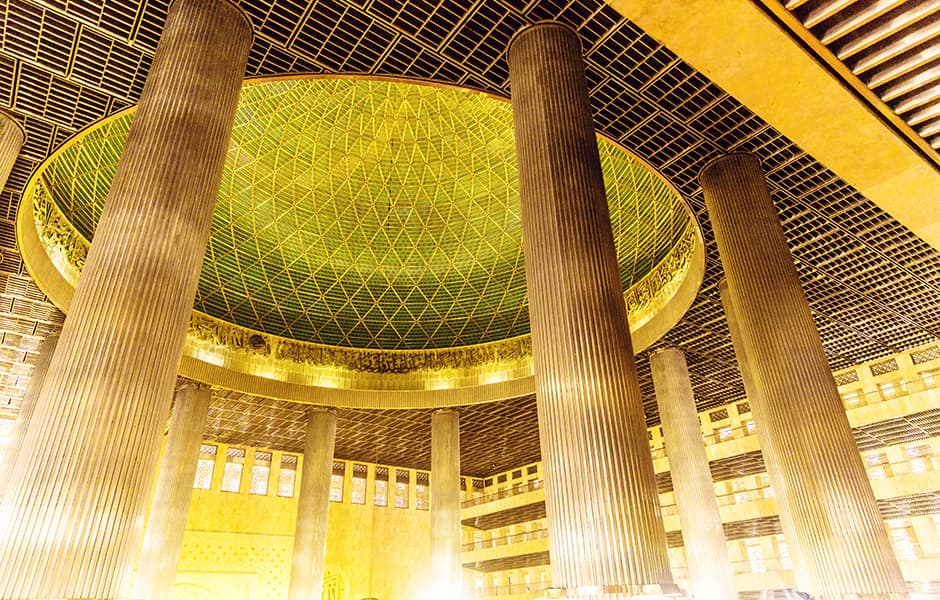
column 373, row 213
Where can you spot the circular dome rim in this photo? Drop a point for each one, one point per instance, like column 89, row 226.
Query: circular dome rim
column 217, row 370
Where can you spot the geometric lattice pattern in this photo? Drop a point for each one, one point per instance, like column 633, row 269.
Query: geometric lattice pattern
column 373, row 214
column 899, row 430
column 871, row 283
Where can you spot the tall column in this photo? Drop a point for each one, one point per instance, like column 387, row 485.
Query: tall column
column 446, row 568
column 45, row 351
column 774, row 470
column 313, row 506
column 710, row 571
column 842, row 538
column 70, row 528
column 605, row 528
column 12, row 137
column 163, row 539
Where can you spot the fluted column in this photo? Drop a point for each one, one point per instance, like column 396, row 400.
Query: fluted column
column 446, row 568
column 163, row 539
column 605, row 528
column 12, row 137
column 842, row 538
column 45, row 351
column 710, row 571
column 313, row 506
column 774, row 469
column 71, row 529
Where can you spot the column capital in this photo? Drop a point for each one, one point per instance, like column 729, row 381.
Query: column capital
column 712, row 164
column 184, row 383
column 227, row 4
column 666, row 349
column 6, row 117
column 546, row 24
column 330, row 410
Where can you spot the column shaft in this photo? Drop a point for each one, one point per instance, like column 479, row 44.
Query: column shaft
column 313, row 506
column 774, row 470
column 841, row 535
column 45, row 351
column 12, row 137
column 446, row 568
column 605, row 527
column 163, row 539
column 71, row 528
column 706, row 551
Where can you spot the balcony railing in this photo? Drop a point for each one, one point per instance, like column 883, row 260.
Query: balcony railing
column 515, row 538
column 519, row 488
column 887, row 390
column 507, row 590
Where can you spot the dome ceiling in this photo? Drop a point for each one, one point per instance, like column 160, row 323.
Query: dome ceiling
column 379, row 214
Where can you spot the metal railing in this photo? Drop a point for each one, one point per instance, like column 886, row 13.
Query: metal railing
column 887, row 390
column 512, row 589
column 515, row 490
column 515, row 538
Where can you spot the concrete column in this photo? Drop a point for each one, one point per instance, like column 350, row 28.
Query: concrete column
column 71, row 529
column 446, row 568
column 774, row 469
column 45, row 351
column 840, row 533
column 12, row 137
column 710, row 570
column 606, row 530
column 163, row 539
column 313, row 506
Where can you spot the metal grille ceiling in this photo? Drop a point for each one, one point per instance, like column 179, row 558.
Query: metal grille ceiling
column 891, row 46
column 373, row 213
column 871, row 283
column 494, row 437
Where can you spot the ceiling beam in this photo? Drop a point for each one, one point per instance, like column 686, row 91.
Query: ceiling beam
column 739, row 47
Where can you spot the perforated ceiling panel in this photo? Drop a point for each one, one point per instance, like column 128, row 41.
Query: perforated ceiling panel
column 871, row 283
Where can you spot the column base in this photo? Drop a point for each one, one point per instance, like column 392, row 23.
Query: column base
column 619, row 592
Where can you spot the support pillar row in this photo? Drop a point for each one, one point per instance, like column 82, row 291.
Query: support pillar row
column 840, row 533
column 72, row 528
column 606, row 533
column 711, row 573
column 313, row 506
column 774, row 469
column 12, row 137
column 446, row 568
column 45, row 351
column 163, row 539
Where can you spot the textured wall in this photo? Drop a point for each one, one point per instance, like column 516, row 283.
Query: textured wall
column 238, row 545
